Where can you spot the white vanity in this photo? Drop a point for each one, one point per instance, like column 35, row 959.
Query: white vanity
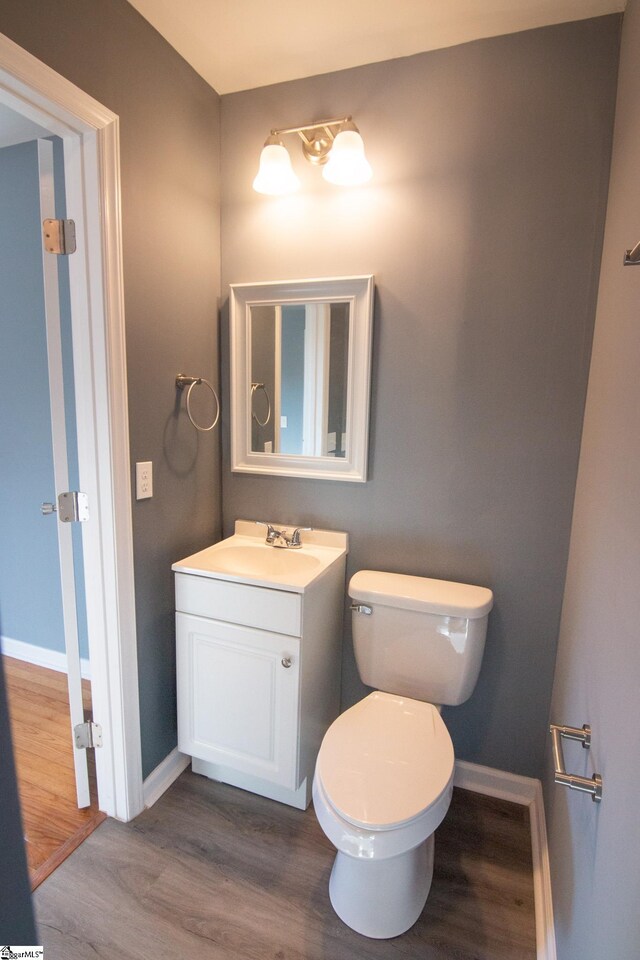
column 259, row 637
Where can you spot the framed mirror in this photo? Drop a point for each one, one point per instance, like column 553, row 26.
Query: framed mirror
column 301, row 377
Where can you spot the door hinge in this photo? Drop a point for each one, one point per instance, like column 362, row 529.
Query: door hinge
column 59, row 236
column 88, row 735
column 73, row 507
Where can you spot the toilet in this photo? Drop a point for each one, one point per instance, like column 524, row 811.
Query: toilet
column 384, row 774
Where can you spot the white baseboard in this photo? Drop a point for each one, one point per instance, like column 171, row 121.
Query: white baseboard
column 41, row 656
column 545, row 931
column 163, row 776
column 494, row 783
column 528, row 792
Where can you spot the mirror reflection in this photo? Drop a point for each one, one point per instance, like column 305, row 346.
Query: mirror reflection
column 299, row 367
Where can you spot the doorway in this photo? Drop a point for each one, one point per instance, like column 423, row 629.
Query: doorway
column 89, row 134
column 42, row 617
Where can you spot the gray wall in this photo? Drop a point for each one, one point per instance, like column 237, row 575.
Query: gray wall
column 483, row 227
column 263, row 364
column 169, row 129
column 28, row 541
column 595, row 850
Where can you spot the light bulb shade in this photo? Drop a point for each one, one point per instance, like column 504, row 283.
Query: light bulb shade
column 347, row 165
column 275, row 175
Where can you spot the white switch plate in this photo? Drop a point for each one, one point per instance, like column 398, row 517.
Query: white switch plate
column 144, row 480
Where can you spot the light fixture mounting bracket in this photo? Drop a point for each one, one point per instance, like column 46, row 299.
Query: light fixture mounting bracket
column 317, row 138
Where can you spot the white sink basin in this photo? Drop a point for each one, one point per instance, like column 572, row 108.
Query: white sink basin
column 247, row 558
column 261, row 560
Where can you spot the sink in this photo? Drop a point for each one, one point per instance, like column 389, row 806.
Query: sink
column 262, row 561
column 246, row 558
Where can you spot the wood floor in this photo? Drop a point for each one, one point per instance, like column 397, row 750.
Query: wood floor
column 41, row 731
column 216, row 873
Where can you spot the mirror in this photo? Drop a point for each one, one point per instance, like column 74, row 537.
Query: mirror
column 300, row 371
column 299, row 355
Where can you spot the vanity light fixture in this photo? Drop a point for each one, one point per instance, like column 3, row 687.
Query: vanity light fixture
column 334, row 144
column 275, row 175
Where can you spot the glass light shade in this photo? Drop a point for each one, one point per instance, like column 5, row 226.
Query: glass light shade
column 347, row 165
column 275, row 175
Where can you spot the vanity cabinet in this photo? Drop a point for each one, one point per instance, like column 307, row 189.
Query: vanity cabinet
column 258, row 673
column 238, row 690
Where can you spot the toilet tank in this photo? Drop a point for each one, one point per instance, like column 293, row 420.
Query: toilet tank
column 423, row 638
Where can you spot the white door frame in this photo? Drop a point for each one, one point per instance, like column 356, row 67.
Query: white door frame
column 317, row 328
column 92, row 179
column 276, row 402
column 51, row 291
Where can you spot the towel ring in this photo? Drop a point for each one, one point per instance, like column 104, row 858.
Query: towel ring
column 632, row 257
column 182, row 382
column 261, row 386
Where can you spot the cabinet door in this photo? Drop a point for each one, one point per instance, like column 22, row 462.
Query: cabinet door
column 237, row 702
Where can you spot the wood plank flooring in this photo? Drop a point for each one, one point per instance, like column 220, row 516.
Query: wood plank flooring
column 41, row 731
column 217, row 873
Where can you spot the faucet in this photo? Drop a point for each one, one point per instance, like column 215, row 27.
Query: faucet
column 280, row 538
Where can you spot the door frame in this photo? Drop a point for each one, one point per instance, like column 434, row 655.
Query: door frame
column 60, row 452
column 315, row 407
column 90, row 133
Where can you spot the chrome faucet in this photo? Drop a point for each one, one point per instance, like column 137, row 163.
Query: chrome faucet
column 282, row 539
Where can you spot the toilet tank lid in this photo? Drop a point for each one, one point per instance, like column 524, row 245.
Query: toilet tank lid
column 441, row 597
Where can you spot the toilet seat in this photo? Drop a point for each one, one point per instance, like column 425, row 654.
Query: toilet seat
column 386, row 762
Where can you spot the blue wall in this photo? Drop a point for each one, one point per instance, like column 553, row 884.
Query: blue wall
column 30, row 601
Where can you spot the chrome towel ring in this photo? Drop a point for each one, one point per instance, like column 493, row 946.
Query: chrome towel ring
column 261, row 386
column 191, row 382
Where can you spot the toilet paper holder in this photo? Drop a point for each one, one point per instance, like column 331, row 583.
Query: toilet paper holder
column 591, row 785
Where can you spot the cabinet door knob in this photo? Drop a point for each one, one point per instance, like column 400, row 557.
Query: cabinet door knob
column 286, row 662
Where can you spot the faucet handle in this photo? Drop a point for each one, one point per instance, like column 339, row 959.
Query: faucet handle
column 272, row 533
column 295, row 536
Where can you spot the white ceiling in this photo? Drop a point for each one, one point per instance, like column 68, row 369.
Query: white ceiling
column 241, row 44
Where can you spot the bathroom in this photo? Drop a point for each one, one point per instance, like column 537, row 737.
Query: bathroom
column 483, row 229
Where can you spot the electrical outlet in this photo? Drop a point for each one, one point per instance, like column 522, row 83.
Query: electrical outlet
column 144, row 480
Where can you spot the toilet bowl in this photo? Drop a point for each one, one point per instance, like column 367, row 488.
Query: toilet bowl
column 384, row 773
column 383, row 783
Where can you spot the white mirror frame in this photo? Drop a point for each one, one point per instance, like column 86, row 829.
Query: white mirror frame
column 358, row 292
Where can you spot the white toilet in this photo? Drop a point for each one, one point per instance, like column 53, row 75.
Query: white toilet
column 384, row 774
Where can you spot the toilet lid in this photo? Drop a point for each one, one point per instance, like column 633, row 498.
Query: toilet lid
column 385, row 761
